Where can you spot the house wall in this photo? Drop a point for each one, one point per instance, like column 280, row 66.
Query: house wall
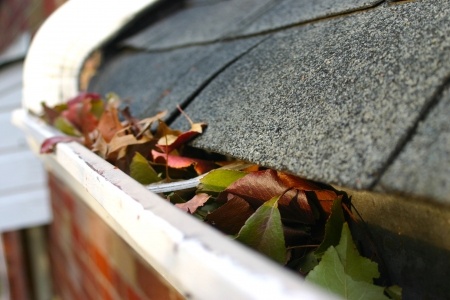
column 90, row 261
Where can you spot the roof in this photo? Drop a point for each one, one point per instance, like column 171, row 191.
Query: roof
column 352, row 93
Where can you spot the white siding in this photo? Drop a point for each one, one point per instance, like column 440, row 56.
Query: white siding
column 23, row 192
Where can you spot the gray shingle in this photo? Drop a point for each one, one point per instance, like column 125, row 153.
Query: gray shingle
column 332, row 100
column 288, row 12
column 153, row 82
column 423, row 167
column 197, row 24
column 221, row 19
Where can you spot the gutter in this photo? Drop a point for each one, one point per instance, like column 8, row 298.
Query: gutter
column 197, row 260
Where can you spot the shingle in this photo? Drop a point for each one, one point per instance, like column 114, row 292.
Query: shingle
column 423, row 167
column 154, row 82
column 216, row 20
column 289, row 12
column 332, row 100
column 197, row 24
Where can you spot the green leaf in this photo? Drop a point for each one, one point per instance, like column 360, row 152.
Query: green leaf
column 141, row 171
column 333, row 227
column 263, row 231
column 344, row 272
column 65, row 126
column 218, row 180
column 357, row 266
column 394, row 291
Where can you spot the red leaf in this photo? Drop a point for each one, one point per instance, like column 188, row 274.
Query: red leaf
column 49, row 144
column 79, row 112
column 168, row 146
column 192, row 205
column 180, row 140
column 259, row 187
column 82, row 97
column 180, row 162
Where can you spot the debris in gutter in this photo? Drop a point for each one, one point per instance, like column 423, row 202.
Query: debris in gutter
column 301, row 224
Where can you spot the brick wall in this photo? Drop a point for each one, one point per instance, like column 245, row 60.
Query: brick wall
column 90, row 261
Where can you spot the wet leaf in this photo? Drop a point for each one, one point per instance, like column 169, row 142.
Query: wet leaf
column 142, row 171
column 192, row 205
column 263, row 231
column 343, row 271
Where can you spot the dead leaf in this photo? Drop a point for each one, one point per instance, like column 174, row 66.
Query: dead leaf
column 192, row 205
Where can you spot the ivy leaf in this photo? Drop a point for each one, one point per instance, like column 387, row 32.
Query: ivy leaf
column 230, row 217
column 218, row 180
column 343, row 271
column 333, row 228
column 263, row 231
column 192, row 205
column 141, row 171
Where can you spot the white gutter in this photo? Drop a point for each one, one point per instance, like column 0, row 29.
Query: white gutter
column 196, row 259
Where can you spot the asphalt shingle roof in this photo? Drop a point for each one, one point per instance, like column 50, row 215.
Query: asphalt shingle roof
column 352, row 93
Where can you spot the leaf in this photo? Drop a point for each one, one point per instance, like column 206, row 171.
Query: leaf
column 141, row 171
column 180, row 162
column 63, row 125
column 395, row 292
column 218, row 180
column 333, row 228
column 357, row 266
column 171, row 140
column 49, row 144
column 192, row 205
column 344, row 272
column 263, row 231
column 83, row 111
column 109, row 123
column 259, row 187
column 230, row 217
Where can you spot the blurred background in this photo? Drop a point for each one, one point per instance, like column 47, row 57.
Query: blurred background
column 24, row 207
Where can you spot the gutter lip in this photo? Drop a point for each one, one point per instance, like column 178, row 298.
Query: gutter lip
column 194, row 258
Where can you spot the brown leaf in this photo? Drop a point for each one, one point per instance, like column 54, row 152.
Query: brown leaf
column 230, row 217
column 109, row 123
column 259, row 187
column 192, row 205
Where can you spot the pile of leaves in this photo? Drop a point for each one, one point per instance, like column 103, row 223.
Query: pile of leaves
column 301, row 224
